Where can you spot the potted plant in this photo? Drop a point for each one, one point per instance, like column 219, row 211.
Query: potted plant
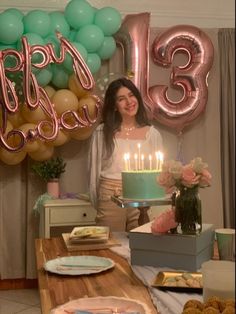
column 50, row 171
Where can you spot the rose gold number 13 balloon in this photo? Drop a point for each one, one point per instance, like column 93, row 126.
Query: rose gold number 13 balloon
column 191, row 77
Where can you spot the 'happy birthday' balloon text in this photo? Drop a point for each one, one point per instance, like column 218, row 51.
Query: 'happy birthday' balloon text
column 35, row 96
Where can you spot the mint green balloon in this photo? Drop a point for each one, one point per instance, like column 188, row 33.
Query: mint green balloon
column 91, row 37
column 44, row 76
column 72, row 35
column 33, row 39
column 108, row 19
column 60, row 77
column 108, row 48
column 52, row 39
column 38, row 22
column 79, row 13
column 93, row 62
column 9, row 61
column 11, row 28
column 15, row 12
column 59, row 23
column 68, row 63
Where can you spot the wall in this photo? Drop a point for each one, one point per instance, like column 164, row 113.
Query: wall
column 202, row 13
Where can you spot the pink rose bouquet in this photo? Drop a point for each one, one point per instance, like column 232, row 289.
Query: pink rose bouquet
column 175, row 175
column 184, row 181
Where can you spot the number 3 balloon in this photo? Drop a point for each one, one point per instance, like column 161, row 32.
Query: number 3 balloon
column 191, row 77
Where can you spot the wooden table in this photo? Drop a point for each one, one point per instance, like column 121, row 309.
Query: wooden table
column 55, row 290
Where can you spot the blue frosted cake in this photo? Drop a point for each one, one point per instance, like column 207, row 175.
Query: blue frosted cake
column 141, row 185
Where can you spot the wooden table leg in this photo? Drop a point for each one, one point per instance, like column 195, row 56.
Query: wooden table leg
column 143, row 217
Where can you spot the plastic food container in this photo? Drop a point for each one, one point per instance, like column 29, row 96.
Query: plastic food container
column 218, row 279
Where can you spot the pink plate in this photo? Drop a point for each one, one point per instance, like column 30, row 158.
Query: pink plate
column 109, row 305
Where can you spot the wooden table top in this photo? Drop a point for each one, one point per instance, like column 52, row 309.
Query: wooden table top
column 55, row 290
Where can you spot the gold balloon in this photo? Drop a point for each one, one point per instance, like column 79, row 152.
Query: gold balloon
column 9, row 126
column 90, row 101
column 63, row 100
column 11, row 158
column 61, row 138
column 43, row 153
column 50, row 91
column 16, row 119
column 33, row 116
column 75, row 86
column 82, row 133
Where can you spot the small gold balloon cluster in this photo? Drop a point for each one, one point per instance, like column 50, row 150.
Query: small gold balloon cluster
column 73, row 98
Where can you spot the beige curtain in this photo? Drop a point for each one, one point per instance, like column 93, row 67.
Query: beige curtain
column 19, row 187
column 226, row 41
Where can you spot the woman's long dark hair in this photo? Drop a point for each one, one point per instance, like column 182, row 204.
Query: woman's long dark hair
column 112, row 118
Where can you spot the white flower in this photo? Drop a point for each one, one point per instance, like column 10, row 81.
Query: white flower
column 176, row 169
column 198, row 165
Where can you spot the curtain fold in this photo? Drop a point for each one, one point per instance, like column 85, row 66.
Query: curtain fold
column 226, row 42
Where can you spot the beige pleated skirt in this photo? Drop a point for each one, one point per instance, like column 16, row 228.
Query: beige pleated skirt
column 111, row 215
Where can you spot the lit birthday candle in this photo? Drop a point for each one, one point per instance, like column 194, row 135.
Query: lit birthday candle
column 150, row 162
column 157, row 160
column 139, row 156
column 136, row 162
column 126, row 162
column 161, row 160
column 142, row 162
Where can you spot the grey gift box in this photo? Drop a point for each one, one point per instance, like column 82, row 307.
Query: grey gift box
column 177, row 251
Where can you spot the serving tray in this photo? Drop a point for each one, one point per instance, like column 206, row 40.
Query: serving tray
column 179, row 281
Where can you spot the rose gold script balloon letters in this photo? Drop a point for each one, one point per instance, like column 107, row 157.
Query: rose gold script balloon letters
column 35, row 96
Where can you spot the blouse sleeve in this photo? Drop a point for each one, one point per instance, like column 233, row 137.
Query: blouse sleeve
column 95, row 163
column 156, row 139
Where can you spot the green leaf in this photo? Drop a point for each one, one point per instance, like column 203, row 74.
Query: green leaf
column 50, row 169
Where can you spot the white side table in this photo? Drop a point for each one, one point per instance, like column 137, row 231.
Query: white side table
column 65, row 212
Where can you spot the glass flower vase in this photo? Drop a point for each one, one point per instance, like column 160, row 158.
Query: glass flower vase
column 188, row 211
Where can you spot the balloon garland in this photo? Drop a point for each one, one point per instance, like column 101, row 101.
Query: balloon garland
column 47, row 62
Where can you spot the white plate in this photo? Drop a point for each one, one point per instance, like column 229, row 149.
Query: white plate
column 89, row 234
column 106, row 303
column 78, row 265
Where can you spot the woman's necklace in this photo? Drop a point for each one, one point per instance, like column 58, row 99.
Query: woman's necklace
column 128, row 130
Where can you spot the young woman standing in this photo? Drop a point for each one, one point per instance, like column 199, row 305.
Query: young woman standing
column 124, row 126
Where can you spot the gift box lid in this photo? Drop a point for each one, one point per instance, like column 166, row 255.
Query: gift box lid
column 142, row 238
